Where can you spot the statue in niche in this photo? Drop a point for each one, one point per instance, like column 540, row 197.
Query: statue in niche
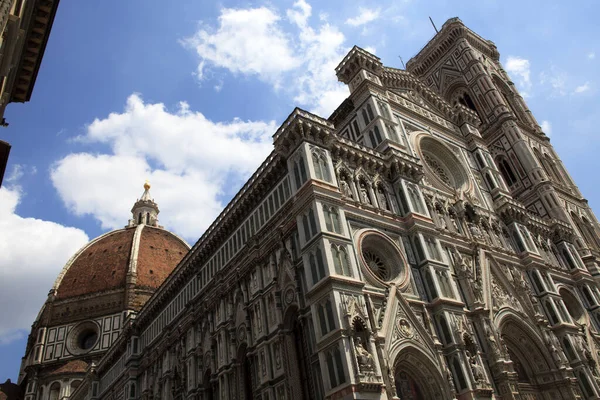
column 364, row 193
column 345, row 187
column 392, row 381
column 476, row 369
column 365, row 360
column 382, row 199
column 491, row 339
column 478, row 289
column 475, row 232
column 554, row 347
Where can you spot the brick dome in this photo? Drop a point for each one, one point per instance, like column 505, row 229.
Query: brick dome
column 142, row 255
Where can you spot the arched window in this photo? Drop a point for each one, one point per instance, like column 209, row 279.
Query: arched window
column 458, row 373
column 139, row 218
column 568, row 348
column 332, row 219
column 365, row 117
column 479, row 160
column 335, row 367
column 551, row 312
column 585, row 384
column 54, row 391
column 313, row 268
column 591, row 232
column 321, row 165
column 384, row 110
column 306, row 228
column 551, row 167
column 147, row 218
column 370, row 111
column 320, row 263
column 340, row 260
column 326, row 317
column 490, row 181
column 415, row 199
column 299, row 172
column 506, row 171
column 312, row 221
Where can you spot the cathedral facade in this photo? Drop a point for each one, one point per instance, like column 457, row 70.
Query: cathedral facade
column 424, row 242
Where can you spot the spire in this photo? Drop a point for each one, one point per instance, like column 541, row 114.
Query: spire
column 145, row 210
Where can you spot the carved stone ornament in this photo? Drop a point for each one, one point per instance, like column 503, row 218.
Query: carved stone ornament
column 289, row 296
column 241, row 333
column 405, row 328
column 365, row 360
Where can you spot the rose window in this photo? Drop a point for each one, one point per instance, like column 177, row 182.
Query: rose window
column 382, row 260
column 443, row 164
column 438, row 169
column 376, row 265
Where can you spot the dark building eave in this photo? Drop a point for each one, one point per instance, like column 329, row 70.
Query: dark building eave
column 26, row 73
column 4, row 152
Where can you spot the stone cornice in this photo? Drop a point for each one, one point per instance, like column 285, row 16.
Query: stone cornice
column 452, row 31
column 355, row 60
column 301, row 126
column 38, row 31
column 250, row 195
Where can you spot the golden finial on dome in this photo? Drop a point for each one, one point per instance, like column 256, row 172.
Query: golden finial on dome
column 147, row 185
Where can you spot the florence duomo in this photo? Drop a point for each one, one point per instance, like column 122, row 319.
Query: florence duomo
column 422, row 242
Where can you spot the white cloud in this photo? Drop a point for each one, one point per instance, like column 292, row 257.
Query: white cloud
column 582, row 88
column 519, row 68
column 591, row 55
column 365, row 15
column 247, row 41
column 556, row 78
column 259, row 42
column 547, row 127
column 189, row 160
column 32, row 253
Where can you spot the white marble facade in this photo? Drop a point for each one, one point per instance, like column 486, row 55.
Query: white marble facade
column 424, row 242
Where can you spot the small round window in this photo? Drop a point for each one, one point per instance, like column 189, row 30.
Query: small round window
column 83, row 338
column 87, row 339
column 381, row 258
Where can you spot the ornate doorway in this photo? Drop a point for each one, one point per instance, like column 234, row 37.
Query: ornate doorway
column 531, row 364
column 407, row 388
column 417, row 377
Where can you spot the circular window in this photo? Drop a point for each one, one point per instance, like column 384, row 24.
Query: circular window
column 573, row 306
column 87, row 339
column 382, row 259
column 376, row 265
column 82, row 338
column 443, row 164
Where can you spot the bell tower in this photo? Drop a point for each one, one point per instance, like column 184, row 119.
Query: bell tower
column 465, row 70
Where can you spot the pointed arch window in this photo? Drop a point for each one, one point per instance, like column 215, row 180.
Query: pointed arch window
column 332, row 219
column 365, row 117
column 299, row 172
column 370, row 112
column 340, row 260
column 326, row 317
column 139, row 218
column 320, row 164
column 506, row 171
column 317, row 265
column 375, row 136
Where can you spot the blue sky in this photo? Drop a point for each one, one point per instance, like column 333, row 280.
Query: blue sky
column 187, row 95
